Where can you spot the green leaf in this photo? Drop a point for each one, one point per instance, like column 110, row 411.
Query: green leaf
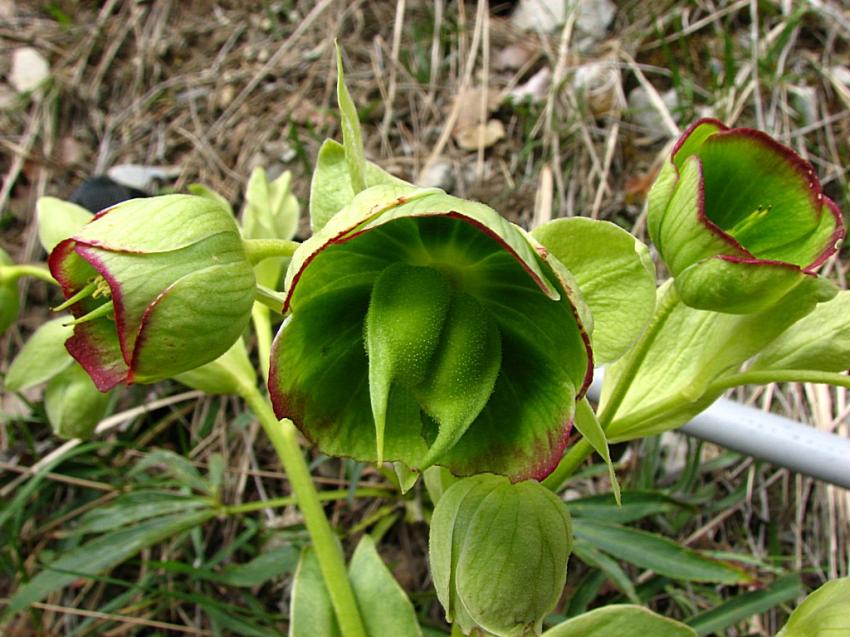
column 135, row 507
column 692, row 349
column 589, row 427
column 174, row 465
column 352, row 139
column 819, row 341
column 657, row 553
column 58, row 220
column 202, row 190
column 824, row 613
column 620, row 621
column 73, row 404
column 383, row 604
column 102, row 553
column 615, row 274
column 331, row 189
column 634, row 506
column 744, row 605
column 271, row 212
column 42, row 357
column 592, row 556
column 269, row 565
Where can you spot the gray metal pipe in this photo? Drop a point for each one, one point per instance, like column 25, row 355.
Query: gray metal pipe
column 776, row 439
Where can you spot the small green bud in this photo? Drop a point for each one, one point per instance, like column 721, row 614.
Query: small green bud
column 73, row 404
column 163, row 284
column 498, row 554
column 739, row 219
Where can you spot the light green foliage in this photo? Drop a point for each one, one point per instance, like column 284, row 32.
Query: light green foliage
column 382, row 603
column 824, row 613
column 819, row 341
column 73, row 404
column 42, row 357
column 200, row 190
column 739, row 219
column 620, row 621
column 58, row 220
column 351, row 134
column 483, row 528
column 615, row 274
column 690, row 350
column 589, row 427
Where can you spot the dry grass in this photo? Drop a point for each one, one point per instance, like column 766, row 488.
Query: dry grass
column 217, row 88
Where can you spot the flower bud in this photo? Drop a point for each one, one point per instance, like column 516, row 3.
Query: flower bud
column 428, row 330
column 159, row 286
column 739, row 219
column 498, row 554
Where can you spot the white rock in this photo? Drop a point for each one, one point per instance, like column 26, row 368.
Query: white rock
column 29, row 69
column 644, row 113
column 144, row 178
column 594, row 17
column 535, row 89
column 440, row 174
column 600, row 85
column 805, row 102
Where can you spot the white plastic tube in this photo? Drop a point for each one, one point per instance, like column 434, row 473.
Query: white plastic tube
column 776, row 439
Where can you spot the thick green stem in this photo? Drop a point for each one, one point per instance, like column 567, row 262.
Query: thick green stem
column 283, row 436
column 581, row 451
column 15, row 272
column 260, row 249
column 263, row 329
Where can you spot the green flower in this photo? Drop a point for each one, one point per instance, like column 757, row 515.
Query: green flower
column 739, row 219
column 160, row 286
column 429, row 330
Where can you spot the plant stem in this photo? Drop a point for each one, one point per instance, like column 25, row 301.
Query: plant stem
column 15, row 272
column 779, row 376
column 260, row 249
column 668, row 299
column 579, row 452
column 263, row 329
column 272, row 299
column 324, row 496
column 283, row 436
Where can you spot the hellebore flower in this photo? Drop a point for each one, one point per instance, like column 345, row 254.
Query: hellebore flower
column 740, row 219
column 159, row 286
column 498, row 553
column 429, row 330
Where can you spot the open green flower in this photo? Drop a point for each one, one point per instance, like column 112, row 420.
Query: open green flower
column 739, row 219
column 429, row 330
column 159, row 286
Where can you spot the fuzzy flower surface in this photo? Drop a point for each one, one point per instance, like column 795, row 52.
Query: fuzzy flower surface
column 427, row 329
column 739, row 219
column 159, row 286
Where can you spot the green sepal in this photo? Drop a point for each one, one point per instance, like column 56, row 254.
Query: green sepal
column 498, row 554
column 621, row 620
column 58, row 220
column 202, row 190
column 742, row 287
column 73, row 404
column 42, row 356
column 230, row 373
column 589, row 427
column 615, row 274
column 819, row 341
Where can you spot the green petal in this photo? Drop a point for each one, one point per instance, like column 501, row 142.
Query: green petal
column 407, row 309
column 737, row 287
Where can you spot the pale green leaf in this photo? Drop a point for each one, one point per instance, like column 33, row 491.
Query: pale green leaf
column 58, row 220
column 202, row 190
column 620, row 621
column 42, row 357
column 352, row 137
column 73, row 404
column 589, row 427
column 615, row 274
column 311, row 612
column 824, row 613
